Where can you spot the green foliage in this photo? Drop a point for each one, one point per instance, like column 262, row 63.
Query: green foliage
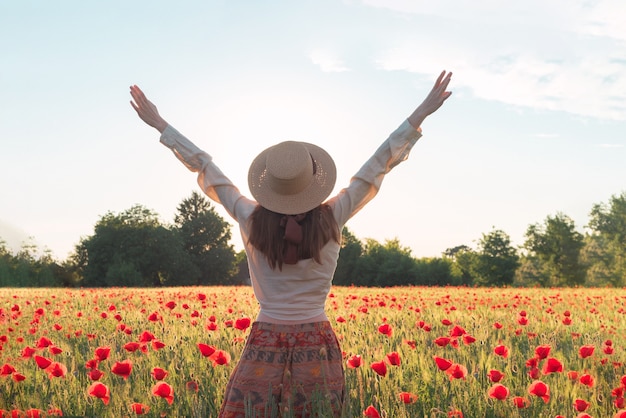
column 133, row 249
column 554, row 249
column 605, row 247
column 205, row 237
column 435, row 271
column 385, row 265
column 27, row 268
column 496, row 261
column 351, row 250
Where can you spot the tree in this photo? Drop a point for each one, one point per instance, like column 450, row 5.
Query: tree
column 463, row 259
column 605, row 247
column 351, row 250
column 434, row 271
column 496, row 260
column 132, row 248
column 205, row 237
column 386, row 265
column 554, row 250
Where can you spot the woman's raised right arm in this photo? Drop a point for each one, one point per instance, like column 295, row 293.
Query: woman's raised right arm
column 213, row 182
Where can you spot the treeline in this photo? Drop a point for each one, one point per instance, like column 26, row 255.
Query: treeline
column 135, row 248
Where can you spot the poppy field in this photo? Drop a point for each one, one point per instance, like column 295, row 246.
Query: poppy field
column 408, row 351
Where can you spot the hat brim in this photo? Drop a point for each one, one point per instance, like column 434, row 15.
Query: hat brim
column 319, row 189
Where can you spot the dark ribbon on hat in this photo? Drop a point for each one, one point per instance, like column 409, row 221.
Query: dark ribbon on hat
column 293, row 236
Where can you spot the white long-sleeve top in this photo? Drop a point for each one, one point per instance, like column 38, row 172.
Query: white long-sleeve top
column 298, row 292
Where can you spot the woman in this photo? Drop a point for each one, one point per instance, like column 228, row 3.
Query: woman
column 292, row 360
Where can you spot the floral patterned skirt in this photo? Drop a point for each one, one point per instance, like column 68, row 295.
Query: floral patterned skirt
column 287, row 370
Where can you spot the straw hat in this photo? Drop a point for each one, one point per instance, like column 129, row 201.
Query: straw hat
column 292, row 177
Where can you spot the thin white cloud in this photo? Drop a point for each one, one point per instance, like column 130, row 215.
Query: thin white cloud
column 546, row 136
column 562, row 55
column 327, row 62
column 612, row 145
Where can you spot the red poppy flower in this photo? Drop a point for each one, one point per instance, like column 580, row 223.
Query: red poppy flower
column 157, row 345
column 587, row 380
column 146, row 337
column 341, row 319
column 497, row 325
column 501, row 350
column 540, row 389
column 354, row 361
column 132, row 346
column 380, row 368
column 393, row 358
column 95, row 374
column 411, row 343
column 206, row 350
column 164, row 391
column 220, row 357
column 552, row 365
column 442, row 363
column 33, row 413
column 139, row 408
column 457, row 371
column 28, row 352
column 534, row 373
column 581, row 405
column 468, row 339
column 55, row 412
column 495, row 375
column 242, row 323
column 56, row 370
column 6, row 369
column 446, row 322
column 572, row 375
column 371, row 412
column 102, row 353
column 43, row 342
column 407, row 397
column 498, row 391
column 154, row 317
column 201, row 296
column 542, row 351
column 158, row 373
column 620, row 414
column 385, row 329
column 54, row 350
column 192, row 386
column 100, row 391
column 122, row 368
column 586, row 351
column 43, row 362
column 520, row 402
column 457, row 331
column 442, row 341
column 171, row 304
column 18, row 377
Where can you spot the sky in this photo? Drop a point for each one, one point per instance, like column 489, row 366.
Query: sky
column 536, row 124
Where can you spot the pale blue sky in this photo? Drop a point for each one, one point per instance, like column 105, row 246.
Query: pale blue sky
column 536, row 123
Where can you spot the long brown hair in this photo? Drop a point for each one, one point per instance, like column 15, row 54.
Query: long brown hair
column 266, row 234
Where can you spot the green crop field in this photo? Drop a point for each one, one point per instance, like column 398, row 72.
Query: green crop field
column 409, row 351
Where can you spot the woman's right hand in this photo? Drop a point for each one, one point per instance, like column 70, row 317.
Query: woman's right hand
column 146, row 110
